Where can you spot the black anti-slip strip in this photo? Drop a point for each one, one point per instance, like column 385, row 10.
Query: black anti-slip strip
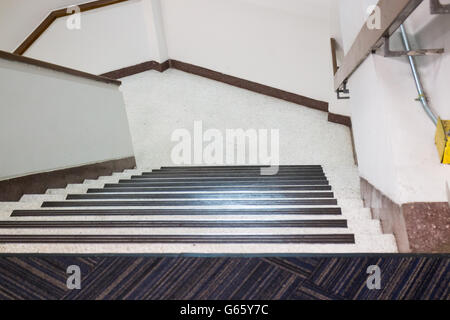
column 233, row 179
column 175, row 212
column 177, row 224
column 211, row 189
column 174, row 203
column 229, row 174
column 291, row 195
column 309, row 238
column 256, row 169
column 217, row 183
column 238, row 167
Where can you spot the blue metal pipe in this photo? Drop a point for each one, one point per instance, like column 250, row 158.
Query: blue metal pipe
column 422, row 97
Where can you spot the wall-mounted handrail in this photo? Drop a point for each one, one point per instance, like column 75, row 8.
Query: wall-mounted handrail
column 38, row 63
column 333, row 55
column 26, row 44
column 393, row 14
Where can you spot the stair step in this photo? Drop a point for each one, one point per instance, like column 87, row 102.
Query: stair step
column 254, row 189
column 217, row 183
column 201, row 196
column 235, row 172
column 217, row 179
column 378, row 245
column 171, row 203
column 42, row 197
column 257, row 167
column 176, row 224
column 239, row 173
column 176, row 212
column 304, row 238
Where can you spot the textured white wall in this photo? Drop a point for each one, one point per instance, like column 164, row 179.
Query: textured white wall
column 110, row 38
column 50, row 120
column 394, row 137
column 283, row 44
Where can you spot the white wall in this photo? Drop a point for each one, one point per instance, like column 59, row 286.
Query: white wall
column 51, row 120
column 18, row 18
column 283, row 44
column 394, row 137
column 110, row 38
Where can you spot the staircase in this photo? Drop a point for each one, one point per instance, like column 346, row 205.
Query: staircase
column 207, row 210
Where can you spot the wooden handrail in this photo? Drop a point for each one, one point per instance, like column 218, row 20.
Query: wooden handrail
column 17, row 58
column 58, row 14
column 333, row 55
column 393, row 14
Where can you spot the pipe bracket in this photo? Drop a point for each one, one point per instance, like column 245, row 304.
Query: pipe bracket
column 436, row 7
column 419, row 52
column 343, row 90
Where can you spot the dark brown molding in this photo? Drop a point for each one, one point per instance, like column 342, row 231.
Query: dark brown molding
column 250, row 85
column 340, row 119
column 58, row 14
column 13, row 189
column 231, row 80
column 417, row 227
column 138, row 68
column 42, row 64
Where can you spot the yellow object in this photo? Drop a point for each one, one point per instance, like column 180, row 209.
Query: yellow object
column 443, row 140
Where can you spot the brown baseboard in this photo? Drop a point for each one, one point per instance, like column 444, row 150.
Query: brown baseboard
column 340, row 119
column 417, row 227
column 250, row 85
column 13, row 189
column 231, row 80
column 138, row 68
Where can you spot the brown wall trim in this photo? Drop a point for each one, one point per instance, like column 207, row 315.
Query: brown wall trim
column 340, row 119
column 138, row 68
column 17, row 58
column 58, row 14
column 249, row 85
column 234, row 81
column 13, row 189
column 417, row 227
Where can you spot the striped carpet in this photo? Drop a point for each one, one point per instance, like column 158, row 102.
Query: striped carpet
column 237, row 278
